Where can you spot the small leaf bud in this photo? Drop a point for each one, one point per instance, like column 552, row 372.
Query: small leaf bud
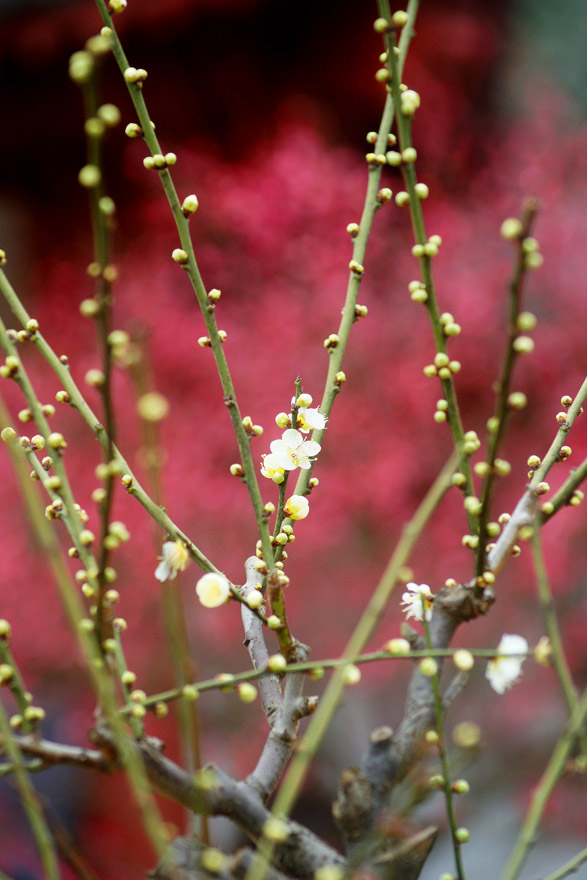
column 133, row 130
column 5, row 630
column 131, row 75
column 117, row 6
column 277, row 663
column 8, row 434
column 452, row 329
column 190, row 692
column 430, row 249
column 384, row 194
column 179, row 255
column 533, row 260
column 382, row 75
column 283, row 420
column 402, row 199
column 422, row 191
column 56, row 441
column 517, row 400
column 409, row 155
column 351, row 674
column 458, row 479
column 356, row 268
column 566, row 400
column 418, row 251
column 204, row 341
column 246, row 692
column 542, row 488
column 493, row 529
column 462, row 835
column 170, row 159
column 419, row 295
column 511, row 229
column 95, row 378
column 397, row 647
column 254, row 600
column 460, row 786
column 236, row 469
column 436, row 782
column 394, row 158
column 89, row 176
column 340, row 378
column 526, row 321
column 523, row 344
column 273, row 622
column 410, row 101
column 381, row 26
column 441, row 359
column 222, row 336
column 463, row 660
column 149, row 163
column 440, row 416
column 502, row 467
column 353, row 229
column 430, row 371
column 399, row 19
column 276, row 830
column 428, row 667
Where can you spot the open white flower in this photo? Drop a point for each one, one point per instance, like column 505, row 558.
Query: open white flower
column 293, row 451
column 418, row 601
column 297, row 507
column 174, row 558
column 310, row 420
column 213, row 589
column 271, row 469
column 505, row 669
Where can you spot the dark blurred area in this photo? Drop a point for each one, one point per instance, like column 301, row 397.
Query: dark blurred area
column 267, row 105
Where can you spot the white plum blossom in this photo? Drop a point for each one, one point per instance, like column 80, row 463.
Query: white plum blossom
column 271, row 468
column 213, row 589
column 418, row 601
column 174, row 558
column 297, row 507
column 310, row 420
column 293, row 451
column 504, row 670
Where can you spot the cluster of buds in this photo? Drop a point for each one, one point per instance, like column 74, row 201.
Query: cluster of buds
column 250, row 429
column 442, row 367
column 430, row 249
column 158, row 161
column 135, row 75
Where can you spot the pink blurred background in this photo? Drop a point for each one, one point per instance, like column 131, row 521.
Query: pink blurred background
column 267, row 106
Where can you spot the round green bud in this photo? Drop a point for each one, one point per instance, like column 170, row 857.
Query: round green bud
column 179, row 255
column 418, row 251
column 526, row 321
column 463, row 660
column 277, row 663
column 131, row 75
column 409, row 155
column 381, row 26
column 462, row 835
column 190, row 692
column 533, row 260
column 351, row 674
column 511, row 228
column 399, row 19
column 428, row 667
column 402, row 199
column 422, row 191
column 397, row 647
column 523, row 345
column 8, row 435
column 81, row 67
column 89, row 176
column 133, row 130
column 109, row 114
column 189, row 206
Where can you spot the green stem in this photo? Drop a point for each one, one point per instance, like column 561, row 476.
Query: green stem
column 77, row 400
column 370, row 206
column 192, row 270
column 446, row 775
column 553, row 631
column 30, row 802
column 321, row 719
column 501, row 406
column 404, row 130
column 542, row 792
column 569, row 867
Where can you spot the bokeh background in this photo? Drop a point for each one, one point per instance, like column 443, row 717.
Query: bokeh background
column 267, row 106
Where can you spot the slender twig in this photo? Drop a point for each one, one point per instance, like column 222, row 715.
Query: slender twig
column 320, row 721
column 543, row 790
column 404, row 130
column 570, row 867
column 502, row 410
column 549, row 616
column 439, row 711
column 30, row 802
